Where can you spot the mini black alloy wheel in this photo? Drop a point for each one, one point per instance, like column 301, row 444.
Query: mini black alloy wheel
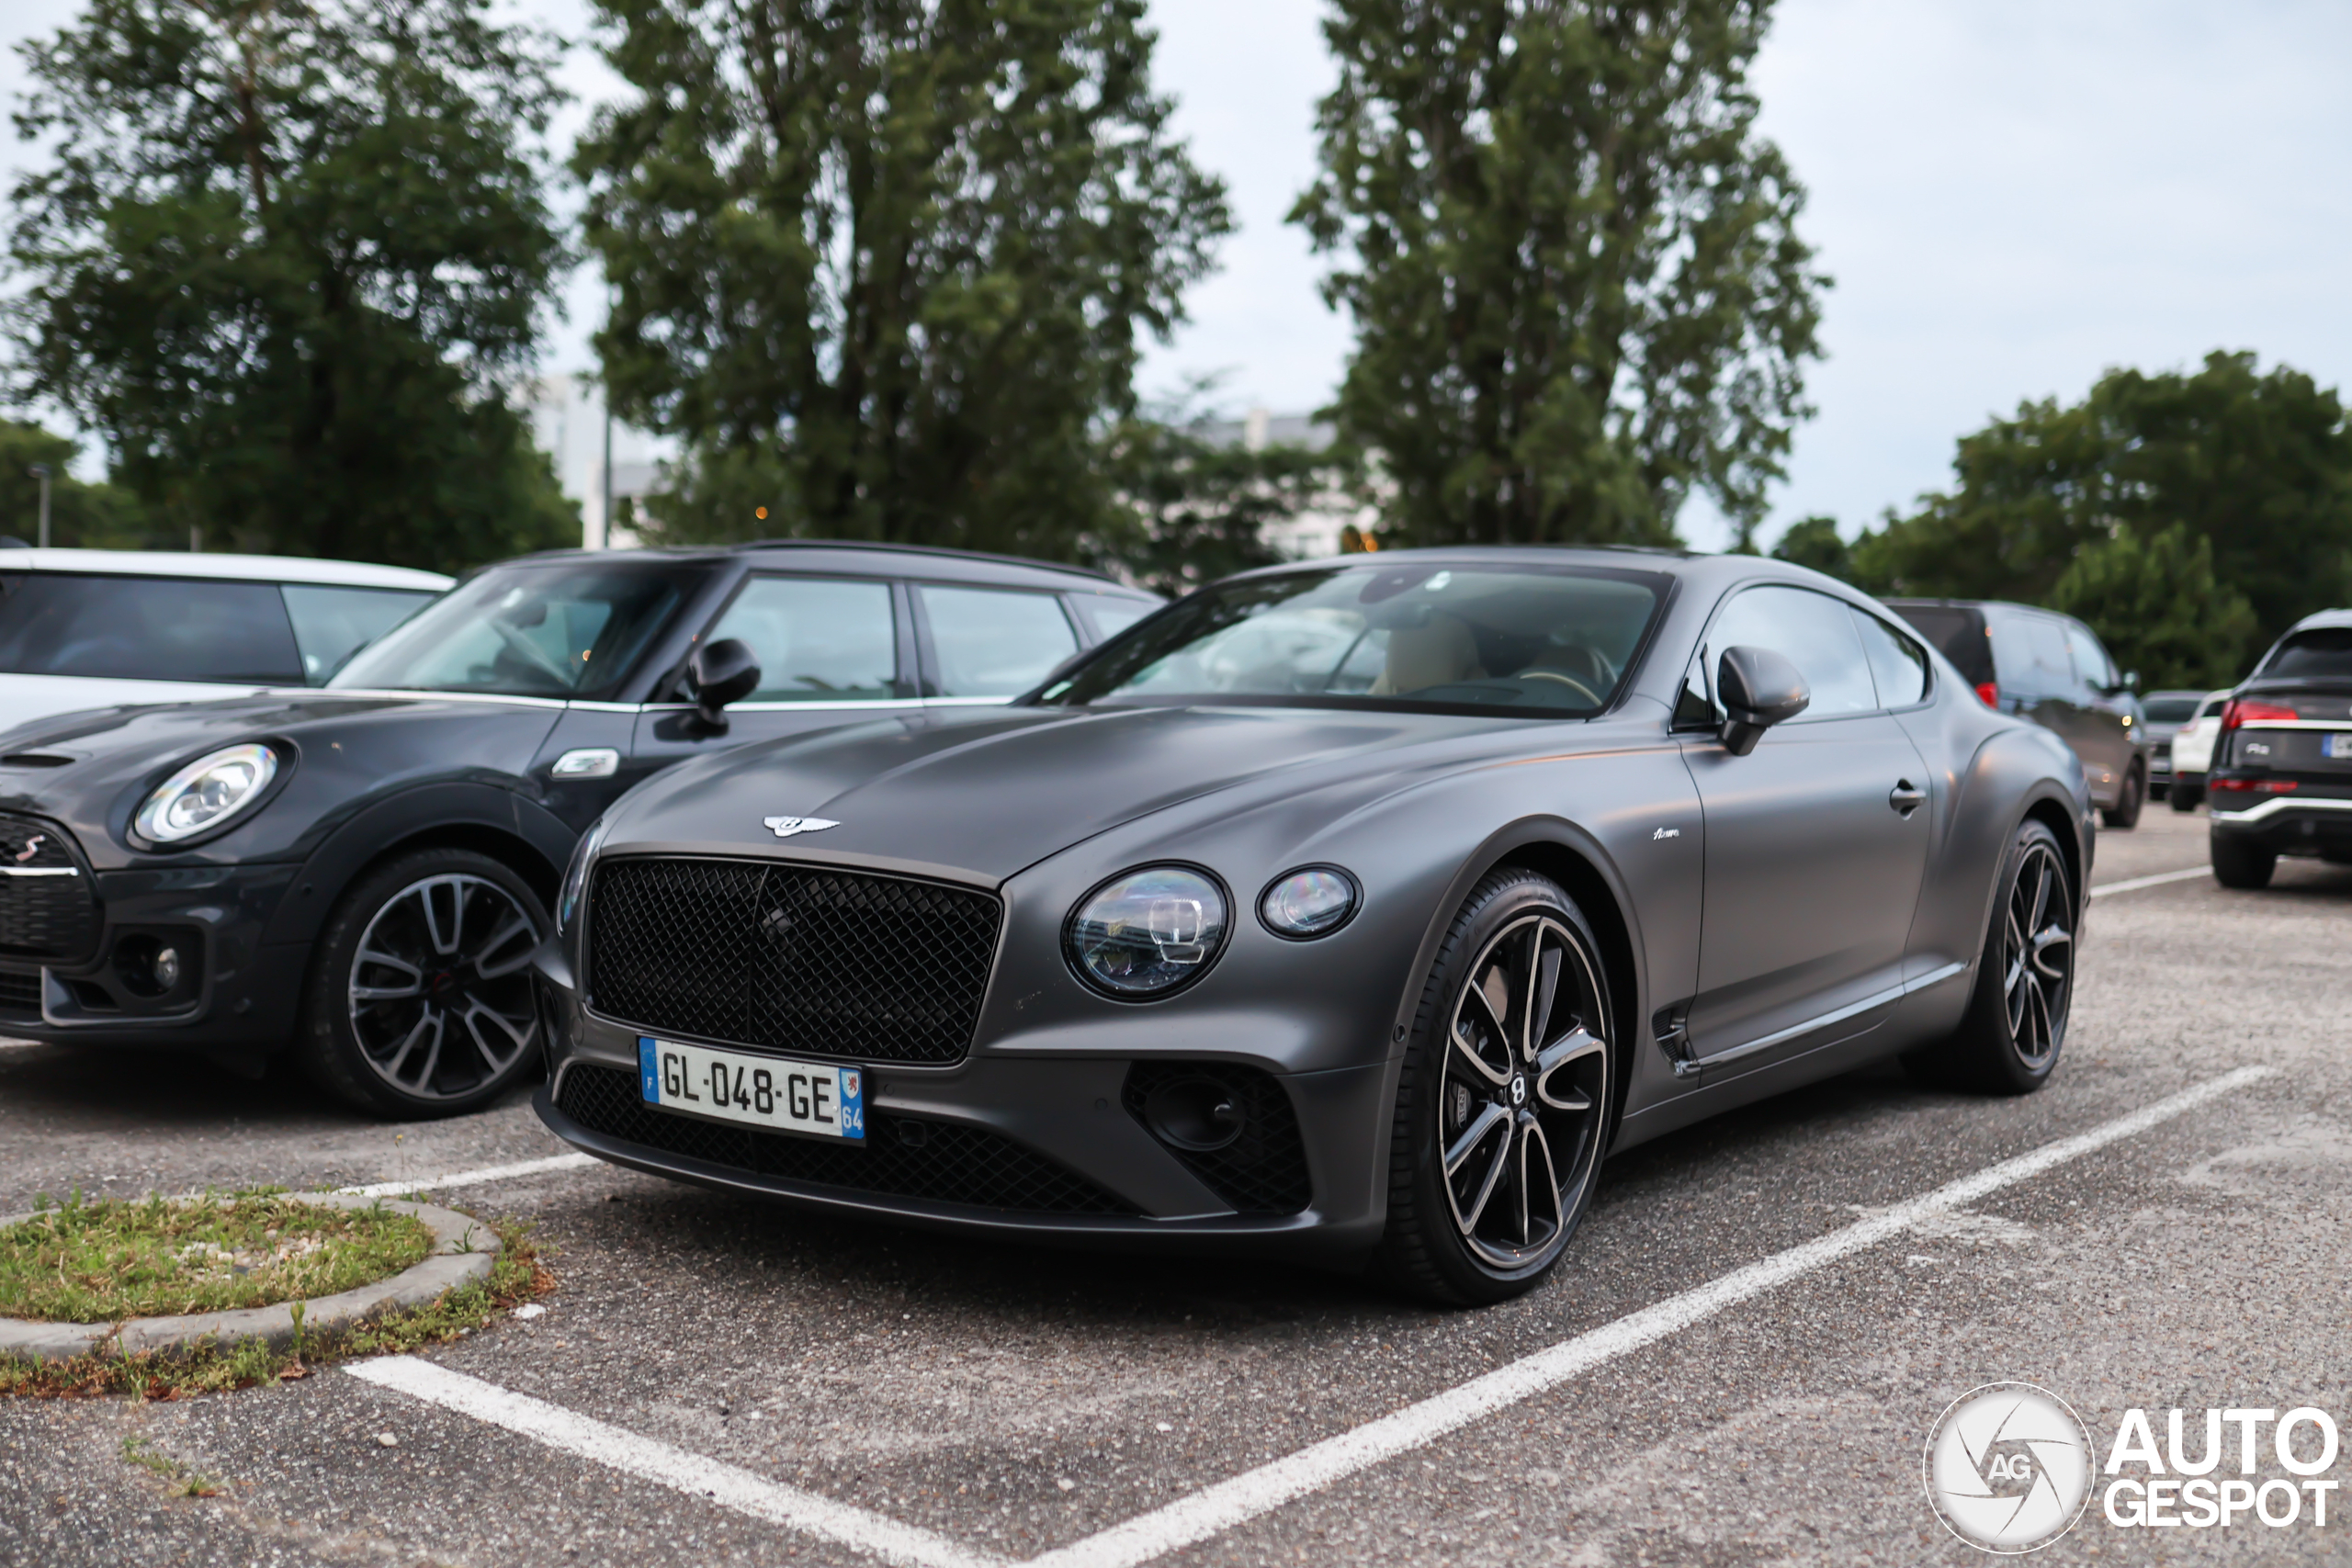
column 1504, row 1108
column 420, row 1002
column 2037, row 957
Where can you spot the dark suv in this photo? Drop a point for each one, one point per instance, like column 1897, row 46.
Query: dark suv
column 2281, row 778
column 2052, row 669
column 356, row 875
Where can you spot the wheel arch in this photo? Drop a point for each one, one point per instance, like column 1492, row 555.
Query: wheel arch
column 526, row 838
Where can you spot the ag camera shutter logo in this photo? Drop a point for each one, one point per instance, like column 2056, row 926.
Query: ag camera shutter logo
column 2008, row 1467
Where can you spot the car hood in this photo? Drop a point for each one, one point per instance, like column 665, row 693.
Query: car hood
column 90, row 770
column 986, row 792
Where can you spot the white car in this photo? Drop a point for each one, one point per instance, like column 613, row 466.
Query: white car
column 106, row 629
column 2192, row 752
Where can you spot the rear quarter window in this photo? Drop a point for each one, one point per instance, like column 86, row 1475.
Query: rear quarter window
column 146, row 628
column 1958, row 634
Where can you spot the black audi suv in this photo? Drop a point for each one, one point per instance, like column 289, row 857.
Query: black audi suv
column 358, row 873
column 2281, row 778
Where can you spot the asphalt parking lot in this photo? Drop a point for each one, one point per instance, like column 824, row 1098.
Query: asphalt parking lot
column 715, row 1382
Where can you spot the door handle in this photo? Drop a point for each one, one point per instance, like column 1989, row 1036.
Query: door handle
column 1905, row 798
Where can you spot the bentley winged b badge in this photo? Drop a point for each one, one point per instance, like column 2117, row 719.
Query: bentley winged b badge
column 785, row 827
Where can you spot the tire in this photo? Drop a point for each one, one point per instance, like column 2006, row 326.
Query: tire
column 1532, row 1078
column 428, row 953
column 2184, row 795
column 2237, row 864
column 2125, row 812
column 2010, row 1039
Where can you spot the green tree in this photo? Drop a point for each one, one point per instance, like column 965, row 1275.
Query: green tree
column 883, row 264
column 2156, row 602
column 81, row 515
column 2258, row 466
column 287, row 261
column 1573, row 267
column 1815, row 542
column 1198, row 507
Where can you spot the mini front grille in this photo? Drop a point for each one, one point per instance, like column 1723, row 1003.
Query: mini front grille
column 904, row 1157
column 20, row 994
column 47, row 909
column 1263, row 1170
column 822, row 963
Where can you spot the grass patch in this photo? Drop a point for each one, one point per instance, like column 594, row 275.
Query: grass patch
column 111, row 1259
column 519, row 1274
column 179, row 1480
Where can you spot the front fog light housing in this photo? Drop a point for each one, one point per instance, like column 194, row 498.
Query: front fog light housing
column 209, row 793
column 1147, row 933
column 1314, row 900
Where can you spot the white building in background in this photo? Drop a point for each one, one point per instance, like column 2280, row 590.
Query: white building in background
column 1314, row 532
column 568, row 420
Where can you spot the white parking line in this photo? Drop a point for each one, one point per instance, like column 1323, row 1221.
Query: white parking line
column 470, row 1178
column 674, row 1468
column 1220, row 1507
column 2156, row 881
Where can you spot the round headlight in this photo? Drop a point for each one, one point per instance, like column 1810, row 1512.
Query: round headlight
column 1147, row 932
column 205, row 793
column 1312, row 901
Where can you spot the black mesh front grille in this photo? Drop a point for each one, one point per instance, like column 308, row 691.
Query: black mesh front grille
column 51, row 916
column 952, row 1164
column 822, row 963
column 20, row 994
column 1262, row 1171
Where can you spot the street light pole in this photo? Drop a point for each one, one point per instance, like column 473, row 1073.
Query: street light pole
column 41, row 473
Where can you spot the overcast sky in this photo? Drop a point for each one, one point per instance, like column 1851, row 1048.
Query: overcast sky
column 2012, row 198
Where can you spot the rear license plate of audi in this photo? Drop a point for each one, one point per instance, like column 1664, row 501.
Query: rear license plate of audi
column 2338, row 745
column 815, row 1100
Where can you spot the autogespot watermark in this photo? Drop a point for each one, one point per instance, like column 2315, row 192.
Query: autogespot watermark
column 2010, row 1467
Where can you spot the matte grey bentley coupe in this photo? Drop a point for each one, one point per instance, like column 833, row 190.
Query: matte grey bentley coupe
column 1351, row 909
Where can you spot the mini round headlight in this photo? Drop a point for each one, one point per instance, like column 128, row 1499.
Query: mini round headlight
column 1312, row 901
column 207, row 793
column 1145, row 933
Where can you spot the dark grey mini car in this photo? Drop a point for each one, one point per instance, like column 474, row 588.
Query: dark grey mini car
column 1345, row 910
column 2051, row 669
column 357, row 876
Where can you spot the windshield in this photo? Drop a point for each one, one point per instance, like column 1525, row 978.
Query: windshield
column 558, row 629
column 1528, row 638
column 2321, row 653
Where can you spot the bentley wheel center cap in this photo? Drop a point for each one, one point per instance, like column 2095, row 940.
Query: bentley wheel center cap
column 1517, row 1089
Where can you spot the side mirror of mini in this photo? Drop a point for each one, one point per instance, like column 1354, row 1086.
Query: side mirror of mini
column 1758, row 689
column 722, row 672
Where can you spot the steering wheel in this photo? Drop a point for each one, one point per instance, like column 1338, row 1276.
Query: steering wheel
column 1590, row 694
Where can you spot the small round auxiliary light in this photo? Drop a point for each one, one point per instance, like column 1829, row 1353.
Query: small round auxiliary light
column 1312, row 901
column 167, row 968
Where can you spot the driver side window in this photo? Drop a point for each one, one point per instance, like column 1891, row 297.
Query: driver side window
column 1812, row 631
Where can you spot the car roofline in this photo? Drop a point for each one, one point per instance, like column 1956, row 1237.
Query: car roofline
column 942, row 552
column 296, row 570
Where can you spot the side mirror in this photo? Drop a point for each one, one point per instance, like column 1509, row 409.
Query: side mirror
column 722, row 672
column 1758, row 689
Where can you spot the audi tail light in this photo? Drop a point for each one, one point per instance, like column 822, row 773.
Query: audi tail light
column 2246, row 710
column 2252, row 787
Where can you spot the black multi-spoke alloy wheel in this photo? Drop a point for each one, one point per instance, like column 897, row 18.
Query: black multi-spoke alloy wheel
column 420, row 1000
column 2010, row 1039
column 2125, row 812
column 1504, row 1104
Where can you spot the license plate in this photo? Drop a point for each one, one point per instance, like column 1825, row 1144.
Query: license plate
column 2336, row 745
column 817, row 1101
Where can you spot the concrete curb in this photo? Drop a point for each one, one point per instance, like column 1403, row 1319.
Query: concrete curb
column 464, row 1249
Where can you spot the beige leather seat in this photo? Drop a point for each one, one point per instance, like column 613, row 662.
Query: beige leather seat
column 1435, row 653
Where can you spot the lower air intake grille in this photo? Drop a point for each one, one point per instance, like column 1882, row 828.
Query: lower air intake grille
column 20, row 994
column 820, row 963
column 1263, row 1170
column 47, row 908
column 952, row 1164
